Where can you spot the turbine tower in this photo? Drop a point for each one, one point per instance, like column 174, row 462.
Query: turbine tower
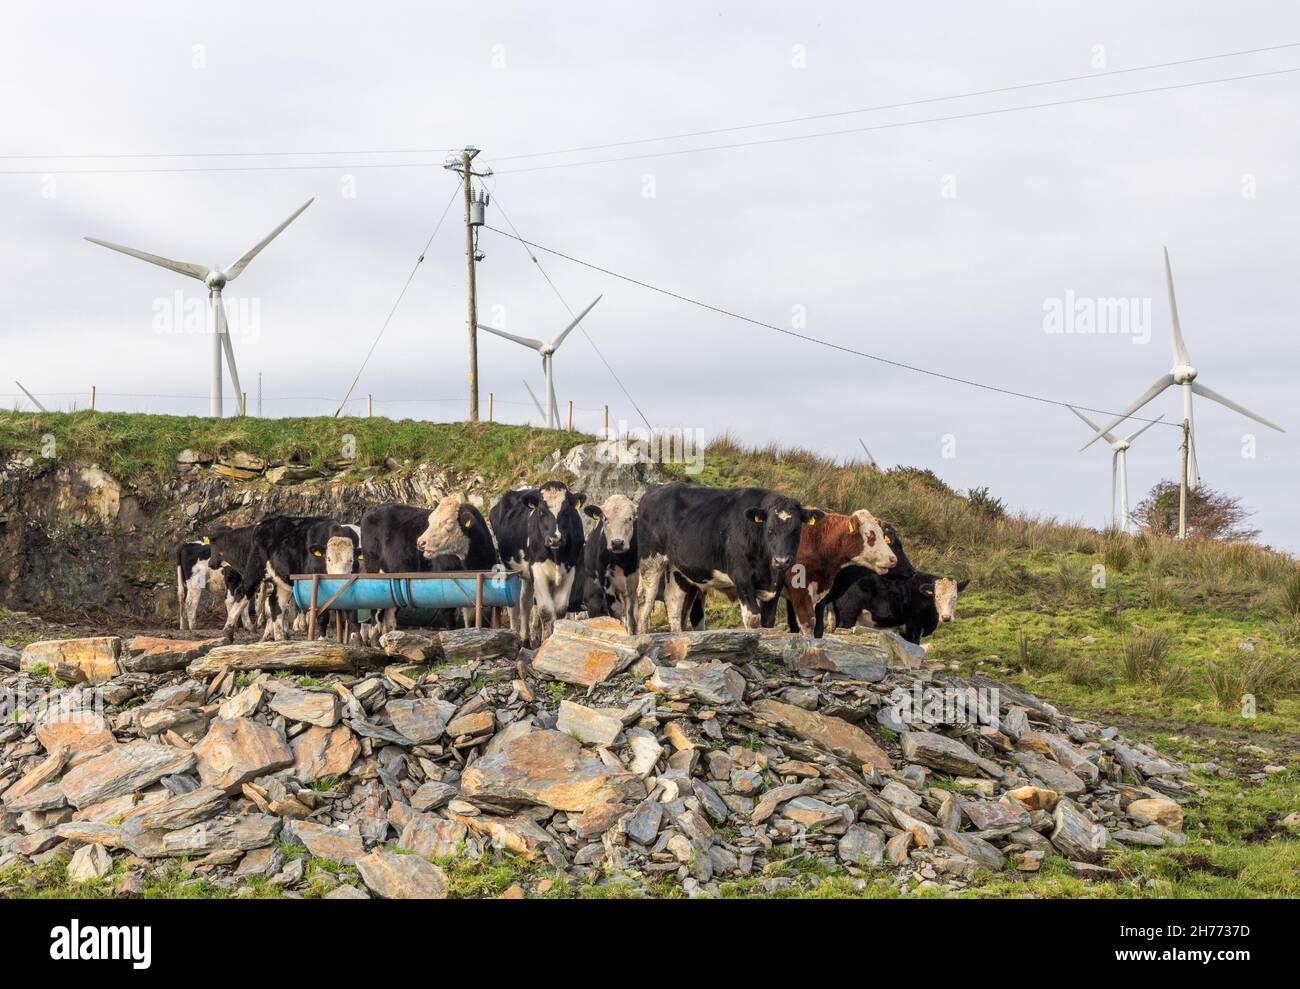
column 547, row 350
column 1183, row 374
column 215, row 279
column 1118, row 467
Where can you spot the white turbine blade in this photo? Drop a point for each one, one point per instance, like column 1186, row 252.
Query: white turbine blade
column 235, row 267
column 1214, row 396
column 223, row 327
column 540, row 410
column 1163, row 382
column 1108, row 436
column 198, row 271
column 576, row 320
column 1180, row 348
column 1134, row 436
column 526, row 341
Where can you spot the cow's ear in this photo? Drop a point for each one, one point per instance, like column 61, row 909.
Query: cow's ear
column 756, row 515
column 579, row 500
column 593, row 512
column 466, row 518
column 316, row 551
column 928, row 589
column 961, row 584
column 811, row 516
column 531, row 501
column 207, row 540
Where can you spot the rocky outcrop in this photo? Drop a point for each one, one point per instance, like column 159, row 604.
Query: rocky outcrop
column 653, row 767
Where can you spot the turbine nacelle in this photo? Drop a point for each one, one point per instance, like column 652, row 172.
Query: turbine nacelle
column 1183, row 374
column 215, row 280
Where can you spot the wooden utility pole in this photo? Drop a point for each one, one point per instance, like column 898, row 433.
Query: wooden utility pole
column 606, row 427
column 370, row 406
column 466, row 157
column 92, row 398
column 1182, row 482
column 570, row 415
column 490, row 419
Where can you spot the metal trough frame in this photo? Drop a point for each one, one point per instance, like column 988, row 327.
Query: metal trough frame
column 315, row 609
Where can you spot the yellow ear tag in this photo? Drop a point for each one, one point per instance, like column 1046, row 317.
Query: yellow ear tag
column 812, row 520
column 361, row 556
column 207, row 540
column 853, row 527
column 316, row 552
column 889, row 539
column 468, row 523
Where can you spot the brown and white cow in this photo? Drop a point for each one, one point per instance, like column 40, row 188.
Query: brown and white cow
column 827, row 546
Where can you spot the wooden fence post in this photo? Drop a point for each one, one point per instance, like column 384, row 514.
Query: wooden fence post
column 570, row 415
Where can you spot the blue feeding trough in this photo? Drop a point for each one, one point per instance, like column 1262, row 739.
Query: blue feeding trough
column 456, row 590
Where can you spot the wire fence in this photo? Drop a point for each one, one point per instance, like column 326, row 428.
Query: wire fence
column 512, row 410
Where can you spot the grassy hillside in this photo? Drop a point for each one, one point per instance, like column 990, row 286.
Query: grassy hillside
column 1161, row 638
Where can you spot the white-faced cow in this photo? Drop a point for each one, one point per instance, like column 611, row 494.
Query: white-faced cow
column 610, row 561
column 740, row 541
column 826, row 547
column 539, row 534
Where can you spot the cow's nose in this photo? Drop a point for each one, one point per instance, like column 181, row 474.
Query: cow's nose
column 945, row 618
column 553, row 541
column 617, row 545
column 781, row 561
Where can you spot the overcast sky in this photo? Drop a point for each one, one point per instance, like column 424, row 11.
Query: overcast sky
column 941, row 244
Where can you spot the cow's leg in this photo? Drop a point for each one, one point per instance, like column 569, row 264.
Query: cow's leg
column 650, row 573
column 627, row 600
column 236, row 610
column 676, row 600
column 181, row 603
column 751, row 612
column 545, row 597
column 522, row 613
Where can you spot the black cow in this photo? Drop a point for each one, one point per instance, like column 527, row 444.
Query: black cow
column 740, row 541
column 539, row 533
column 848, row 576
column 917, row 603
column 285, row 545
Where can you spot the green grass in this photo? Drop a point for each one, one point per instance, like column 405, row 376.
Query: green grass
column 132, row 446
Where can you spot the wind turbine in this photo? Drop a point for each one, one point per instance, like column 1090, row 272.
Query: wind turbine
column 1182, row 373
column 547, row 350
column 1118, row 466
column 215, row 279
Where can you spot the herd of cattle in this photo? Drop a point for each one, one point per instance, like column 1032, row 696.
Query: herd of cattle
column 754, row 545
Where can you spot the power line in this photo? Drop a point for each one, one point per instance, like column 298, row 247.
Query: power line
column 897, row 106
column 120, row 156
column 564, row 302
column 680, row 151
column 398, row 301
column 898, row 124
column 811, row 339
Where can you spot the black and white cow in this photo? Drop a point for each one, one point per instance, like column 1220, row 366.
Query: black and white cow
column 740, row 541
column 609, row 572
column 285, row 545
column 917, row 603
column 539, row 534
column 211, row 561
